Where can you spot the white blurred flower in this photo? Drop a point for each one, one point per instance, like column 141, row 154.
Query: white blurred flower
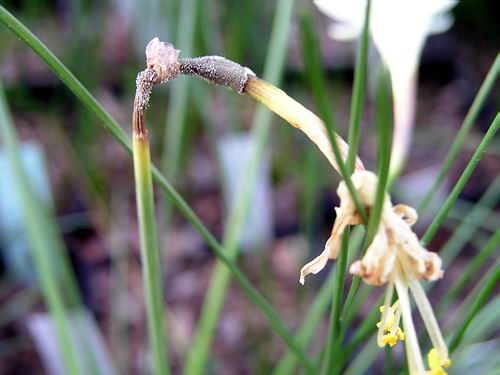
column 399, row 29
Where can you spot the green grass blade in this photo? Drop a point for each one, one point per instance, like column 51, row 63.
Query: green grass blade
column 383, row 120
column 117, row 132
column 475, row 217
column 150, row 257
column 485, row 322
column 331, row 352
column 318, row 307
column 384, row 137
column 367, row 327
column 39, row 231
column 461, row 136
column 215, row 295
column 179, row 94
column 472, row 268
column 316, row 78
column 348, row 315
column 362, row 363
column 358, row 93
column 308, row 326
column 482, row 296
column 450, row 201
column 14, row 25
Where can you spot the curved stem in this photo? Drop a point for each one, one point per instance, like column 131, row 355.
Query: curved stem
column 151, row 270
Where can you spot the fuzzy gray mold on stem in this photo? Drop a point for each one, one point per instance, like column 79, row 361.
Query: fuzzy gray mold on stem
column 144, row 85
column 217, row 70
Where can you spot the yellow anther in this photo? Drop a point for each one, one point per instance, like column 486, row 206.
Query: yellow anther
column 390, row 318
column 436, row 363
column 390, row 339
column 389, row 324
column 400, row 334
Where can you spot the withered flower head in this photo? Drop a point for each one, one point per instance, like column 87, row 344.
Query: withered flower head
column 394, row 240
column 395, row 257
column 163, row 58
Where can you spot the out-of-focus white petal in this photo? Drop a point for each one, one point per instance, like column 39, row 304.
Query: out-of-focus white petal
column 441, row 23
column 398, row 29
column 351, row 11
column 343, row 32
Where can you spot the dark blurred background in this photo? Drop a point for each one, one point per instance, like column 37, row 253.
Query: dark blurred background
column 88, row 177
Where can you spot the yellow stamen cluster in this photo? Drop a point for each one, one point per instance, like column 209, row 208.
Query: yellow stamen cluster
column 391, row 331
column 436, row 363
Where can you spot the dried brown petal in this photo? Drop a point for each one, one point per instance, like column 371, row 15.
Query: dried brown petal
column 332, row 246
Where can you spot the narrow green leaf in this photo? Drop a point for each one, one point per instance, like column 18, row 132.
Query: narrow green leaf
column 485, row 322
column 384, row 137
column 316, row 77
column 461, row 136
column 39, row 230
column 472, row 268
column 112, row 126
column 383, row 120
column 150, row 257
column 471, row 166
column 179, row 94
column 310, row 323
column 475, row 217
column 318, row 307
column 331, row 352
column 358, row 91
column 216, row 292
column 364, row 359
column 367, row 327
column 482, row 296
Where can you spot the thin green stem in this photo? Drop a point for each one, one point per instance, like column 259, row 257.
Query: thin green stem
column 471, row 270
column 216, row 293
column 353, row 289
column 383, row 120
column 389, row 361
column 469, row 225
column 358, row 93
column 308, row 326
column 384, row 137
column 461, row 136
column 471, row 166
column 117, row 132
column 319, row 306
column 334, row 325
column 481, row 298
column 367, row 327
column 151, row 271
column 316, row 77
column 39, row 230
column 179, row 94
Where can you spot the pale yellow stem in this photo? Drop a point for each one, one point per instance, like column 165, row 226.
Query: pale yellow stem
column 413, row 353
column 383, row 320
column 299, row 117
column 429, row 319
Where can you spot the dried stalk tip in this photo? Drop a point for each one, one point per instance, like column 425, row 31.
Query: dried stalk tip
column 144, row 84
column 163, row 58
